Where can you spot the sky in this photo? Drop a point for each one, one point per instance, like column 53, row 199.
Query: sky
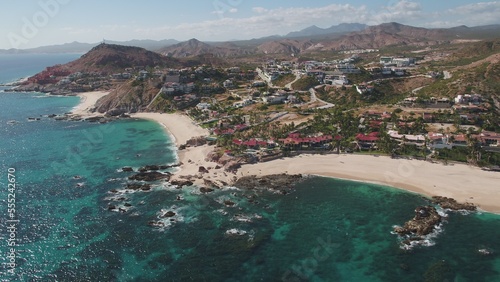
column 32, row 23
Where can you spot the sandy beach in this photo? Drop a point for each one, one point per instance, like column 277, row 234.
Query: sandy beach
column 179, row 126
column 87, row 102
column 182, row 128
column 459, row 181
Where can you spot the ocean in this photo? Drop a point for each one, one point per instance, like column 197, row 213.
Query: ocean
column 55, row 222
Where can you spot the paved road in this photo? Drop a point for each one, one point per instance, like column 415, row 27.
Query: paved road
column 297, row 77
column 315, row 98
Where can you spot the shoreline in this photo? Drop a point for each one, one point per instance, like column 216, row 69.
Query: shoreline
column 87, row 102
column 458, row 181
column 181, row 128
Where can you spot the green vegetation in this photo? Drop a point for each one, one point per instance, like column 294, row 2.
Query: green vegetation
column 283, row 80
column 305, row 83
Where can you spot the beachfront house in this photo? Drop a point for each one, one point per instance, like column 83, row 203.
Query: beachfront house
column 295, row 141
column 367, row 141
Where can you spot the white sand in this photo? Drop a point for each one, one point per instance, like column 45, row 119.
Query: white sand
column 87, row 102
column 182, row 128
column 459, row 181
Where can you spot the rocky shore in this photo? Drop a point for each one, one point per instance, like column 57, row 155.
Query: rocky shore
column 427, row 219
column 423, row 223
column 280, row 182
column 452, row 204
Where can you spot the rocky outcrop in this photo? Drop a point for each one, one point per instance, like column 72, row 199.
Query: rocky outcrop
column 181, row 183
column 275, row 181
column 452, row 204
column 149, row 176
column 206, row 190
column 423, row 223
column 196, row 141
column 202, row 169
column 139, row 186
column 168, row 214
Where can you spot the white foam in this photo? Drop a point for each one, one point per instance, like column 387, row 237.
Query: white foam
column 235, row 232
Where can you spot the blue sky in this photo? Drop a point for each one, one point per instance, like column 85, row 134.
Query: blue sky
column 32, row 23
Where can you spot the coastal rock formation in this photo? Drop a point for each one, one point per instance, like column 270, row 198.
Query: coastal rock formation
column 127, row 169
column 275, row 181
column 168, row 214
column 181, row 183
column 149, row 167
column 137, row 186
column 196, row 141
column 425, row 220
column 452, row 204
column 206, row 190
column 203, row 169
column 150, row 176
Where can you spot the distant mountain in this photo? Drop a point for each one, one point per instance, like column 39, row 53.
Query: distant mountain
column 388, row 34
column 78, row 47
column 315, row 31
column 339, row 37
column 284, row 46
column 194, row 47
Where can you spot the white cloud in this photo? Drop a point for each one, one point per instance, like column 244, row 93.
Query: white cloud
column 259, row 10
column 400, row 11
column 481, row 13
column 264, row 22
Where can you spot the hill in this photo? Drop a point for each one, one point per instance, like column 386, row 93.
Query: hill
column 109, row 58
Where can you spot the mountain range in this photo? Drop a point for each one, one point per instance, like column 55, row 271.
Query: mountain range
column 311, row 39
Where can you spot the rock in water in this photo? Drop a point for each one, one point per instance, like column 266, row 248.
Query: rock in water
column 149, row 176
column 206, row 190
column 275, row 181
column 425, row 220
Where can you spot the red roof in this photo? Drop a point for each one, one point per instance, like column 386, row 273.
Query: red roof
column 372, row 137
column 250, row 143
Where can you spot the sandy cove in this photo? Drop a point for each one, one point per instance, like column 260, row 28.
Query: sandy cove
column 459, row 181
column 182, row 128
column 88, row 101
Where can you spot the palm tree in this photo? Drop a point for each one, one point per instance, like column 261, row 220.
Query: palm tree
column 473, row 149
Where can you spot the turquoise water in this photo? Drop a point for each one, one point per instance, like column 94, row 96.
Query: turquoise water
column 325, row 230
column 16, row 66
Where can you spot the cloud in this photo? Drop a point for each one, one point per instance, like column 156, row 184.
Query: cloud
column 263, row 21
column 401, row 11
column 259, row 10
column 481, row 13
